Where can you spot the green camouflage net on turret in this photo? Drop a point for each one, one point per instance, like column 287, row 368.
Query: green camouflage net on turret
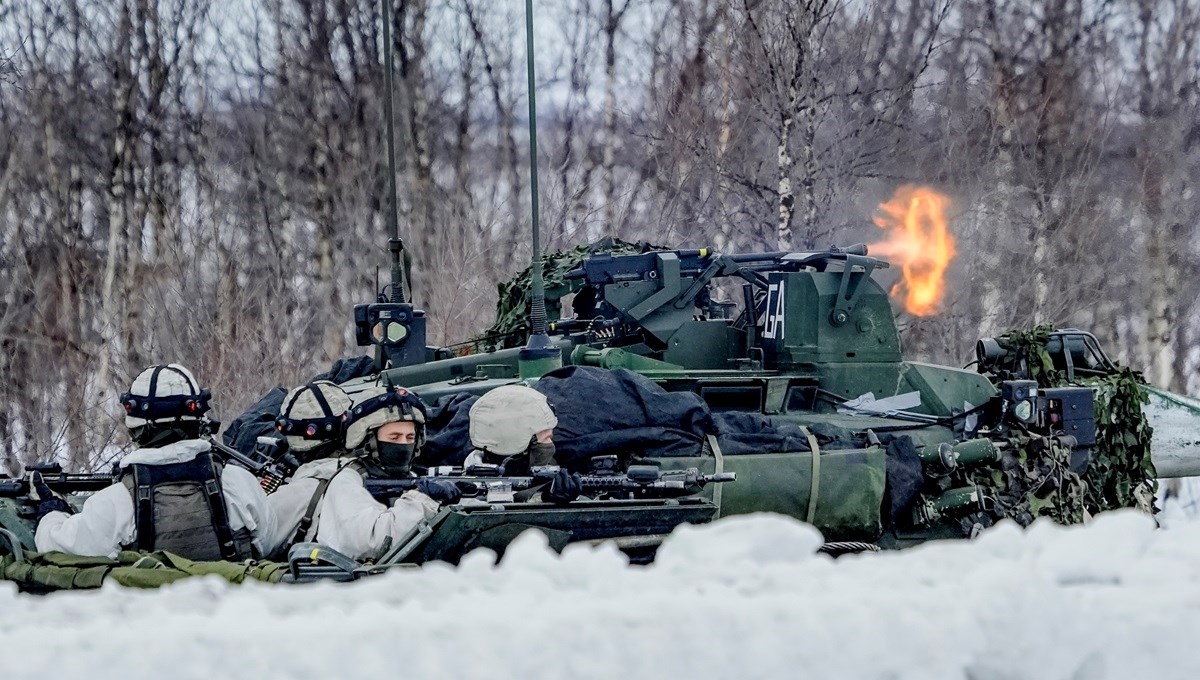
column 514, row 303
column 1121, row 473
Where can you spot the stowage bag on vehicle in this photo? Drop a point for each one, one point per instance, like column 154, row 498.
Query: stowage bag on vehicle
column 618, row 412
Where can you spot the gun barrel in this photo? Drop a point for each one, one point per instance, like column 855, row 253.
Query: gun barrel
column 61, row 482
column 741, row 258
column 468, row 486
column 389, row 487
column 718, row 478
column 238, row 457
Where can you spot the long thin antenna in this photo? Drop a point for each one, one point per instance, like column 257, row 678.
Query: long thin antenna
column 538, row 319
column 395, row 244
column 539, row 355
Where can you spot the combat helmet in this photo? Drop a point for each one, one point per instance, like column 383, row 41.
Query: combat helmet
column 379, row 406
column 313, row 418
column 375, row 408
column 505, row 420
column 164, row 396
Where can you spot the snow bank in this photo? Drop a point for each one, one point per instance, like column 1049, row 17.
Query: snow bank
column 746, row 597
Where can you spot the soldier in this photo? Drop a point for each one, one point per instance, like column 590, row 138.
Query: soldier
column 326, row 500
column 173, row 495
column 513, row 427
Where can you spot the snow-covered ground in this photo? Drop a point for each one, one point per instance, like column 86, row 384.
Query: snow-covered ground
column 746, row 597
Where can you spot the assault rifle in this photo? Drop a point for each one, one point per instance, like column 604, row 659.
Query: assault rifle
column 58, row 481
column 271, row 462
column 485, row 480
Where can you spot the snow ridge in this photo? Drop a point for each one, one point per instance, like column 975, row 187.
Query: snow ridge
column 745, row 597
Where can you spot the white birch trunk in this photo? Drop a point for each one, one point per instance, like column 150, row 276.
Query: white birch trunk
column 785, row 162
column 1162, row 310
column 608, row 162
column 118, row 209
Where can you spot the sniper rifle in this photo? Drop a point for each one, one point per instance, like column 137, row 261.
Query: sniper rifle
column 484, row 480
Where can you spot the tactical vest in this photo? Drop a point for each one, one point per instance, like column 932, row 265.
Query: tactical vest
column 180, row 508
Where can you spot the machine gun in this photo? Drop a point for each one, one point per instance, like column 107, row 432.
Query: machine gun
column 58, row 481
column 640, row 481
column 655, row 292
column 271, row 462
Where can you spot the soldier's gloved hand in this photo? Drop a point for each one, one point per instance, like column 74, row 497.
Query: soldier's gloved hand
column 564, row 487
column 48, row 501
column 440, row 490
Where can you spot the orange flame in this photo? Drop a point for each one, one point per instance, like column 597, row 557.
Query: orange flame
column 918, row 237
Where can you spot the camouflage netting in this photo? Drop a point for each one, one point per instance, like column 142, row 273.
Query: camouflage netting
column 1034, row 480
column 1121, row 473
column 41, row 572
column 514, row 305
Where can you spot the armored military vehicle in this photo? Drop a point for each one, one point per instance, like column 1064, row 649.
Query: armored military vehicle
column 885, row 451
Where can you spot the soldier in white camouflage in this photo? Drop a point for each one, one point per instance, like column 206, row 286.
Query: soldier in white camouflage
column 173, row 495
column 327, row 501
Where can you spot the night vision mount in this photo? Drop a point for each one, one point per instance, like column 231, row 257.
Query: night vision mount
column 396, row 328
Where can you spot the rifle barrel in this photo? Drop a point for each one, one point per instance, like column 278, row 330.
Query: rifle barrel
column 60, row 483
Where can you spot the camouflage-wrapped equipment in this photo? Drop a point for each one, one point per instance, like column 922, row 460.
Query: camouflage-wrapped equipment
column 1120, row 472
column 513, row 305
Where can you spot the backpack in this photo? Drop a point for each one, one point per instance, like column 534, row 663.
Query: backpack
column 180, row 508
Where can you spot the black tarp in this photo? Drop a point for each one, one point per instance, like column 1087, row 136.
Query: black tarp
column 259, row 420
column 447, row 441
column 743, row 432
column 905, row 476
column 347, row 369
column 619, row 412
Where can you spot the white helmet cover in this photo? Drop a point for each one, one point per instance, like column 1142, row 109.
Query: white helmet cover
column 160, row 394
column 378, row 406
column 504, row 420
column 313, row 415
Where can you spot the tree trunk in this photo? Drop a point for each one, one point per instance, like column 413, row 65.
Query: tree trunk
column 783, row 165
column 120, row 190
column 612, row 24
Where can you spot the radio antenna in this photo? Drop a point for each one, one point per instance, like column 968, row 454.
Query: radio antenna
column 540, row 355
column 392, row 324
column 395, row 244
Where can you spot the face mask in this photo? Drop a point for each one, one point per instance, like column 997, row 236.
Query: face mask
column 541, row 453
column 396, row 458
